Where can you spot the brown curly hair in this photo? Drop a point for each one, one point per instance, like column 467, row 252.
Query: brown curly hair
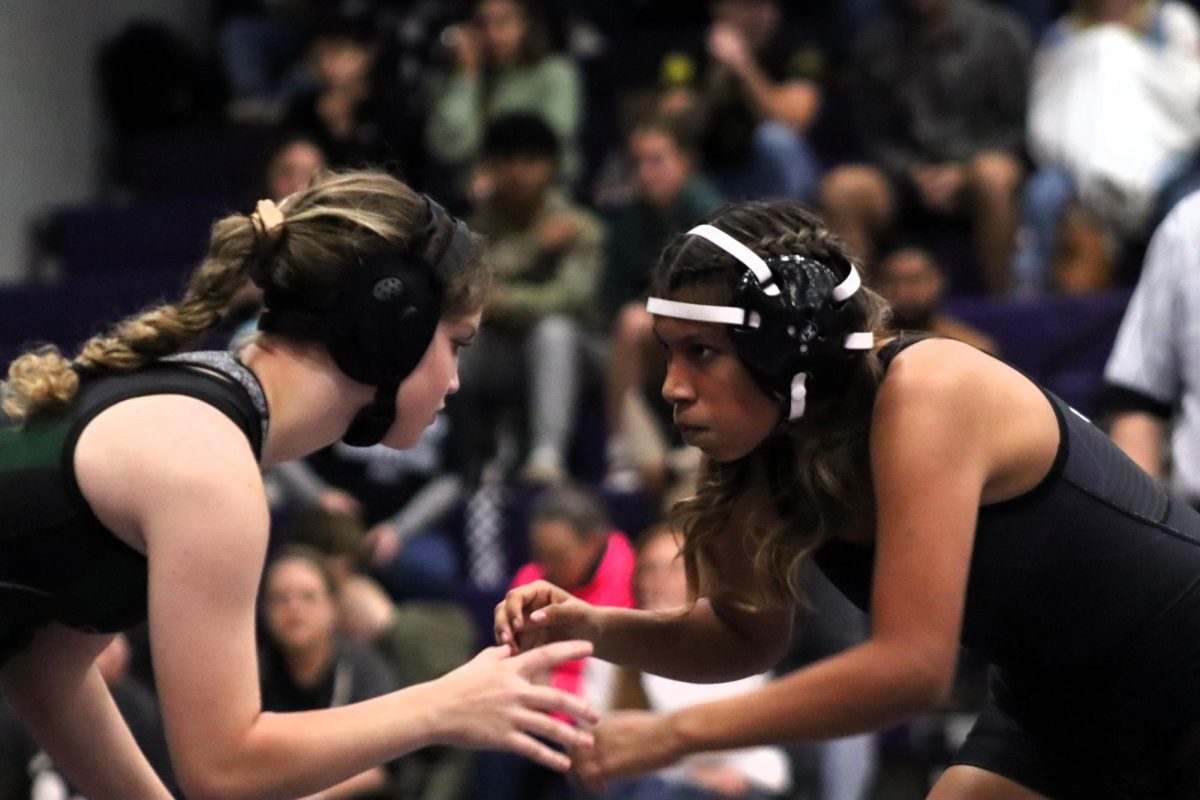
column 816, row 470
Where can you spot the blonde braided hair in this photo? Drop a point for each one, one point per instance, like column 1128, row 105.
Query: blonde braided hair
column 305, row 241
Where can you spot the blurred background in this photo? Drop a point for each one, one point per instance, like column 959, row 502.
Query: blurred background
column 997, row 166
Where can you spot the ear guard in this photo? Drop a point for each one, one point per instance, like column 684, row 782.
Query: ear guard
column 789, row 320
column 378, row 319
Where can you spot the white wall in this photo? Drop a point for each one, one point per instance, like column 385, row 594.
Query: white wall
column 51, row 128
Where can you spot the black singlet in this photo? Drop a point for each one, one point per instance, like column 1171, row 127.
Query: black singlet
column 1084, row 595
column 57, row 562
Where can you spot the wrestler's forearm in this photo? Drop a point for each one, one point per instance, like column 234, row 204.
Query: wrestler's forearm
column 698, row 645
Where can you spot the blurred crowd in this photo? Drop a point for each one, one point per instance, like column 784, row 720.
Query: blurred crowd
column 1014, row 149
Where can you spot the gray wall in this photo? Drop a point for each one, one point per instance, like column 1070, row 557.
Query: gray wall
column 51, row 129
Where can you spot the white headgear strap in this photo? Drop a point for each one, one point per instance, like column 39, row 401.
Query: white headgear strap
column 732, row 315
column 742, row 253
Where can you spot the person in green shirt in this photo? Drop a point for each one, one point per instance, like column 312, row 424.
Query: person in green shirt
column 501, row 63
column 548, row 256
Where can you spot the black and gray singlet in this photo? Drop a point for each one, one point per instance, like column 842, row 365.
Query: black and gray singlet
column 57, row 561
column 1084, row 596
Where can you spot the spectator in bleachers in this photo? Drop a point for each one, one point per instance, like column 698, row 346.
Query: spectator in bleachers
column 913, row 283
column 940, row 88
column 502, row 64
column 573, row 544
column 758, row 773
column 754, row 91
column 668, row 197
column 291, row 165
column 420, row 640
column 306, row 664
column 356, row 113
column 404, row 497
column 1114, row 127
column 548, row 256
column 1153, row 387
column 26, row 771
column 1037, row 15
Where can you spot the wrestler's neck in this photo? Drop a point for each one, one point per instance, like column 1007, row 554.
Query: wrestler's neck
column 310, row 402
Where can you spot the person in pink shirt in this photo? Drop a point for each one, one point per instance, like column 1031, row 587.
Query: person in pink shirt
column 573, row 544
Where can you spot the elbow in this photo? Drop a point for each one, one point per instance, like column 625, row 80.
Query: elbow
column 926, row 687
column 206, row 781
column 930, row 692
column 198, row 786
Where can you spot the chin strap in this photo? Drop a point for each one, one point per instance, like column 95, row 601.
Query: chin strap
column 373, row 421
column 799, row 396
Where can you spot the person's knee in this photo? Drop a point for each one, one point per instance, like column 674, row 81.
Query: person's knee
column 634, row 324
column 555, row 331
column 855, row 188
column 996, row 175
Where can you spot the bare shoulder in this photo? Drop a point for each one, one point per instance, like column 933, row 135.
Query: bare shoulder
column 145, row 453
column 940, row 371
column 949, row 401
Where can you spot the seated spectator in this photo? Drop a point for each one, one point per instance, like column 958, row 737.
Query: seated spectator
column 355, row 113
column 420, row 640
column 26, row 771
column 291, row 165
column 502, row 64
column 403, row 496
column 305, row 664
column 913, row 283
column 668, row 197
column 574, row 546
column 548, row 256
column 853, row 15
column 757, row 773
column 754, row 92
column 1114, row 128
column 940, row 87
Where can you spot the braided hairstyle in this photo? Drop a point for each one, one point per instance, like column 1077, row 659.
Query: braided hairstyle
column 815, row 470
column 317, row 231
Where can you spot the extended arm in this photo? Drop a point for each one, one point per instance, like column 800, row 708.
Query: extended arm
column 929, row 463
column 203, row 518
column 1143, row 437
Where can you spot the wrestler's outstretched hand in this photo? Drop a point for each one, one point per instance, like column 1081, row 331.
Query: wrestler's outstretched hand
column 627, row 743
column 540, row 612
column 493, row 703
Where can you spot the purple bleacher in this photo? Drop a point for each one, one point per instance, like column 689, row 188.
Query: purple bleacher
column 225, row 164
column 1061, row 341
column 66, row 313
column 148, row 236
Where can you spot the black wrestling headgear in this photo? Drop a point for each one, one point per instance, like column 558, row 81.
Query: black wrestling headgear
column 378, row 319
column 789, row 318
